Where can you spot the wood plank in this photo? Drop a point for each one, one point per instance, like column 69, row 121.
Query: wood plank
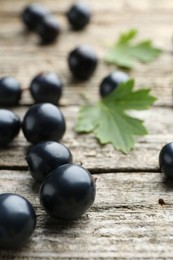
column 86, row 150
column 101, row 5
column 125, row 222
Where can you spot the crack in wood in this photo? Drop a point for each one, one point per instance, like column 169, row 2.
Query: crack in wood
column 91, row 170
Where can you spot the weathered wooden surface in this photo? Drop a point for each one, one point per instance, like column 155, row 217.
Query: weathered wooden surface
column 126, row 221
column 121, row 224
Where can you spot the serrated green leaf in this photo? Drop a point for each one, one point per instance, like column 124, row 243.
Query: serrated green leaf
column 86, row 122
column 124, row 53
column 127, row 36
column 109, row 120
column 126, row 98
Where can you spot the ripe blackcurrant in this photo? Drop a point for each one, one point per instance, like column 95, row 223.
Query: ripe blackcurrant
column 68, row 192
column 44, row 157
column 166, row 160
column 111, row 82
column 46, row 87
column 9, row 126
column 79, row 16
column 10, row 91
column 82, row 62
column 43, row 122
column 33, row 14
column 48, row 29
column 17, row 221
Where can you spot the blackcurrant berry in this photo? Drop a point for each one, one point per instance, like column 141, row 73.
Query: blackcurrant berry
column 17, row 221
column 166, row 160
column 111, row 82
column 44, row 157
column 33, row 14
column 48, row 29
column 10, row 91
column 79, row 16
column 82, row 62
column 68, row 192
column 9, row 126
column 43, row 122
column 46, row 87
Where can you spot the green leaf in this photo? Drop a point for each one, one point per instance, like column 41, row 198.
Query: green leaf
column 109, row 119
column 124, row 52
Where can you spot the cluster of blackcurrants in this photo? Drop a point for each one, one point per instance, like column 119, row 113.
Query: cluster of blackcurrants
column 37, row 18
column 82, row 60
column 67, row 190
column 46, row 90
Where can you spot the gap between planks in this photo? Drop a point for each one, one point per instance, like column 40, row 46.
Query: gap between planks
column 91, row 170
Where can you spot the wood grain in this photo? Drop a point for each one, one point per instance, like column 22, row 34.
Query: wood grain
column 126, row 224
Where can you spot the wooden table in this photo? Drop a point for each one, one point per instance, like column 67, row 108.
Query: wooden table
column 126, row 220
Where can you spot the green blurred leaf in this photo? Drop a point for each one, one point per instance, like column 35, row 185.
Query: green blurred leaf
column 124, row 52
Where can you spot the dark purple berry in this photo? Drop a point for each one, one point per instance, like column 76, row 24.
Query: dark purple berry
column 166, row 160
column 10, row 91
column 68, row 192
column 46, row 87
column 9, row 126
column 33, row 14
column 82, row 62
column 17, row 221
column 43, row 122
column 79, row 16
column 44, row 157
column 48, row 29
column 111, row 82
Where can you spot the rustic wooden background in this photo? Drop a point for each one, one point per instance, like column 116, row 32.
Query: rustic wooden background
column 126, row 221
